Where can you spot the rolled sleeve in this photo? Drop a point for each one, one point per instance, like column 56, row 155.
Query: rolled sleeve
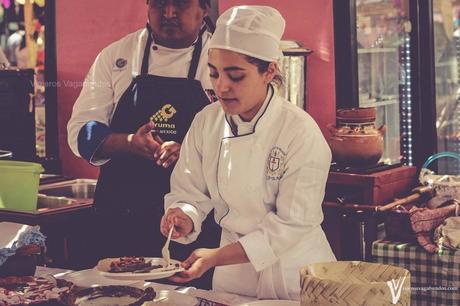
column 258, row 250
column 194, row 214
column 90, row 138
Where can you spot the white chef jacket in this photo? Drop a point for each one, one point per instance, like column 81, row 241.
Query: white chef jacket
column 112, row 73
column 266, row 187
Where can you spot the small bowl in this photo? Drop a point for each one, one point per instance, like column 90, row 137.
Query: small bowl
column 19, row 265
column 23, row 263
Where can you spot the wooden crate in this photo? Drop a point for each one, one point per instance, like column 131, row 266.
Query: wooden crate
column 374, row 189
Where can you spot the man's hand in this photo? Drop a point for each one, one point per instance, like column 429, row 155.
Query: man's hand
column 142, row 143
column 182, row 223
column 200, row 261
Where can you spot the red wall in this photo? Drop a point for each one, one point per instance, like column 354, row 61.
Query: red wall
column 84, row 27
column 309, row 22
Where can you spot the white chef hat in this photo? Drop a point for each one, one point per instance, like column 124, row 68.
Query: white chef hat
column 251, row 30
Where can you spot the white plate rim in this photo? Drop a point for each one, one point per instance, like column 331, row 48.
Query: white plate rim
column 144, row 276
column 79, row 277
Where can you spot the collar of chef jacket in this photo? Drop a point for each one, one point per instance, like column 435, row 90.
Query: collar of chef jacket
column 242, row 128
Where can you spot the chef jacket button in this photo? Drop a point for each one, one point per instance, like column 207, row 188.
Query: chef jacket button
column 155, row 48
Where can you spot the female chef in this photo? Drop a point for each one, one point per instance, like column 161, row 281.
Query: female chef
column 258, row 160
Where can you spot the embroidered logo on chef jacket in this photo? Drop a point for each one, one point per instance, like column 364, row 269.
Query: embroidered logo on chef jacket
column 211, row 95
column 275, row 165
column 161, row 118
column 120, row 64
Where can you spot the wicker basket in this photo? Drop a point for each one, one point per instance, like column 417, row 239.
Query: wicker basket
column 354, row 283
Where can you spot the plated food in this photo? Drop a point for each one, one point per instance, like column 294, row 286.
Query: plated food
column 29, row 290
column 137, row 268
column 126, row 264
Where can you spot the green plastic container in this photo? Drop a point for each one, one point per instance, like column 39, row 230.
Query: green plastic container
column 19, row 185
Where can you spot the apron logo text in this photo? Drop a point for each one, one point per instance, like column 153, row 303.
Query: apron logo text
column 161, row 117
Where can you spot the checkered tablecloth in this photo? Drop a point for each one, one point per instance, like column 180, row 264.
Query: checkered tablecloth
column 435, row 278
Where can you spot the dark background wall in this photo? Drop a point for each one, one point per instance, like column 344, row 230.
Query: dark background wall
column 83, row 28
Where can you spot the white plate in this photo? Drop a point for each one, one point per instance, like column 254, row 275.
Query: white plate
column 167, row 297
column 271, row 303
column 92, row 278
column 154, row 274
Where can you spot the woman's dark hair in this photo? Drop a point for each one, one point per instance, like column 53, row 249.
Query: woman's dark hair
column 262, row 66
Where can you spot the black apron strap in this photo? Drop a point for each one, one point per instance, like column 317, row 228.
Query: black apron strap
column 195, row 58
column 209, row 24
column 145, row 59
column 196, row 55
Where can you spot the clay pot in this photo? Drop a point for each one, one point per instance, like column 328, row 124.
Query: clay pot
column 355, row 140
column 356, row 115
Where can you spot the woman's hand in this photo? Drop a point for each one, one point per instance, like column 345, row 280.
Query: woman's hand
column 167, row 153
column 182, row 223
column 200, row 261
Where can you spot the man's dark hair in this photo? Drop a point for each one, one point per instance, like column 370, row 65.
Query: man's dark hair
column 203, row 3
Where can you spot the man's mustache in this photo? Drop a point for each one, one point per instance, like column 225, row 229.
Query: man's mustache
column 170, row 23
